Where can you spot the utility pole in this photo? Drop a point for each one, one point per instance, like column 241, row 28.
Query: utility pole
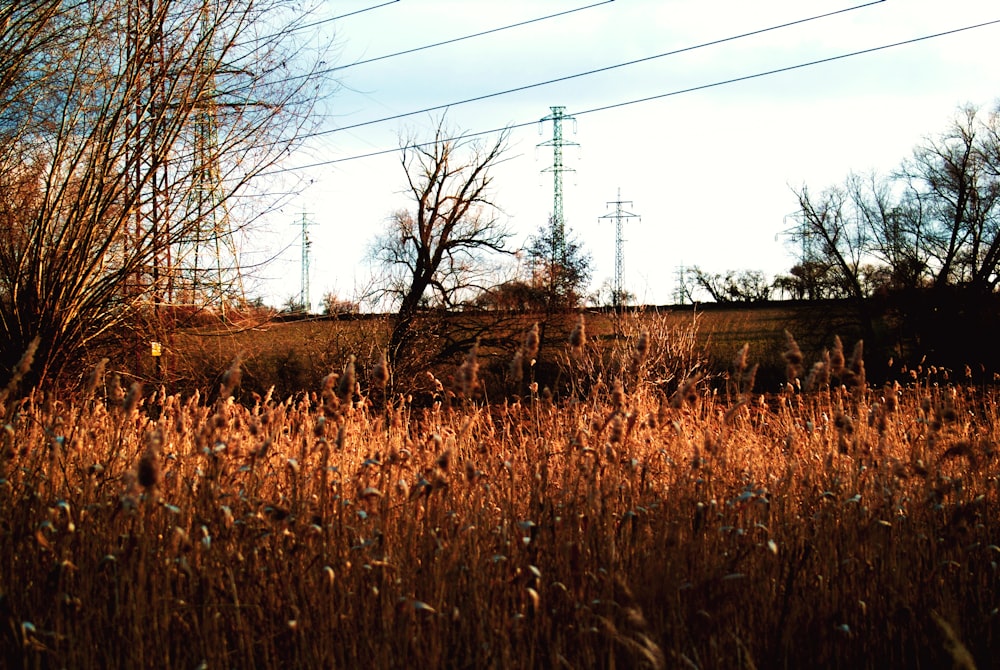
column 619, row 215
column 557, row 168
column 304, row 300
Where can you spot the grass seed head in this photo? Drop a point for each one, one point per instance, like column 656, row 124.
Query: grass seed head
column 133, row 397
column 95, row 378
column 22, row 368
column 617, row 432
column 740, row 362
column 793, row 358
column 231, row 379
column 858, row 364
column 837, row 357
column 116, row 396
column 380, row 373
column 639, row 353
column 517, row 367
column 468, row 373
column 819, row 376
column 578, row 338
column 347, row 381
column 531, row 341
column 687, row 392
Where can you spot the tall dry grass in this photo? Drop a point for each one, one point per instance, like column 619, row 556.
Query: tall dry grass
column 633, row 523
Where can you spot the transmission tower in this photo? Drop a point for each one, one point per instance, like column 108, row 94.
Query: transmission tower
column 211, row 257
column 148, row 176
column 680, row 288
column 620, row 216
column 304, row 299
column 557, row 168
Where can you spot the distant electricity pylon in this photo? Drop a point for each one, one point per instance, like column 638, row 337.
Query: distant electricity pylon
column 151, row 215
column 681, row 293
column 619, row 216
column 212, row 259
column 557, row 168
column 196, row 261
column 304, row 299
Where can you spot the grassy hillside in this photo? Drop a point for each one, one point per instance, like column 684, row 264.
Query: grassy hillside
column 294, row 355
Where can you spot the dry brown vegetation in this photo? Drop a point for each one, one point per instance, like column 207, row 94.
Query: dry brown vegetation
column 618, row 525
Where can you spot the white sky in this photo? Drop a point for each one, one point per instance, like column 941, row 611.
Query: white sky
column 710, row 172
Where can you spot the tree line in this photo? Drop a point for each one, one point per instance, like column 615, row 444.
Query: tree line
column 933, row 222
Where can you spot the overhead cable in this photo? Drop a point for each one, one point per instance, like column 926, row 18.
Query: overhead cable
column 557, row 80
column 636, row 101
column 330, row 19
column 468, row 37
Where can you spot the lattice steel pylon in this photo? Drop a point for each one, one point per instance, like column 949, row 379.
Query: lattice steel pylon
column 175, row 175
column 210, row 261
column 557, row 168
column 305, row 301
column 148, row 176
column 619, row 216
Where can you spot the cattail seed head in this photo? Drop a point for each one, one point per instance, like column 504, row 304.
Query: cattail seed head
column 148, row 470
column 843, row 423
column 618, row 397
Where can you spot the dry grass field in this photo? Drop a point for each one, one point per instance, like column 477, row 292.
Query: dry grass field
column 625, row 523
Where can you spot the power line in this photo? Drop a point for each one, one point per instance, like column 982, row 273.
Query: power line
column 607, row 68
column 344, row 16
column 435, row 44
column 320, row 73
column 636, row 101
column 331, row 19
column 469, row 37
column 759, row 31
column 791, row 67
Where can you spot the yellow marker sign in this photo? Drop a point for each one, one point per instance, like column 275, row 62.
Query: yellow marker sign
column 156, row 349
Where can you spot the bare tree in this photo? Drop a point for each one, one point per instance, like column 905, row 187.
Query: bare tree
column 127, row 129
column 955, row 177
column 894, row 239
column 829, row 228
column 438, row 254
